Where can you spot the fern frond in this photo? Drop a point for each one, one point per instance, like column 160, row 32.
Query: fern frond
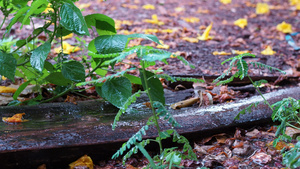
column 270, row 68
column 184, row 61
column 242, row 67
column 175, row 79
column 122, row 110
column 104, row 56
column 105, row 78
column 167, row 77
column 131, row 141
column 246, row 110
column 134, row 150
column 124, row 54
column 163, row 112
column 186, row 146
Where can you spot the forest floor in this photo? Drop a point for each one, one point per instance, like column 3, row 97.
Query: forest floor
column 179, row 24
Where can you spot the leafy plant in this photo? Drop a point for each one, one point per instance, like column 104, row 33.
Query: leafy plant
column 28, row 59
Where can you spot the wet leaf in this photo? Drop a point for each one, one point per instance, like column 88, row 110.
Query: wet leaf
column 39, row 55
column 242, row 23
column 17, row 118
column 205, row 35
column 67, row 48
column 284, row 27
column 8, row 65
column 74, row 71
column 84, row 161
column 4, row 89
column 268, row 51
column 221, row 53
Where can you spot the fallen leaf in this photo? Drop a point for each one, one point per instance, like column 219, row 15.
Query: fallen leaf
column 154, row 20
column 189, row 39
column 162, row 46
column 225, row 1
column 268, row 51
column 67, row 36
column 4, row 89
column 262, row 8
column 261, row 158
column 191, row 19
column 148, row 7
column 84, row 161
column 241, row 23
column 221, row 53
column 129, row 6
column 284, row 27
column 294, row 2
column 280, row 145
column 205, row 35
column 238, row 52
column 67, row 48
column 48, row 9
column 17, row 118
column 83, row 5
column 179, row 9
column 292, row 132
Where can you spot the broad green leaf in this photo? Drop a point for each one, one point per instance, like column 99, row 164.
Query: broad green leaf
column 106, row 44
column 117, row 91
column 39, row 55
column 48, row 66
column 100, row 72
column 8, row 65
column 35, row 8
column 74, row 71
column 104, row 24
column 58, row 79
column 155, row 87
column 20, row 89
column 133, row 79
column 20, row 3
column 62, row 31
column 72, row 19
column 145, row 36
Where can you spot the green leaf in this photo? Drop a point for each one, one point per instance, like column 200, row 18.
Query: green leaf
column 62, row 31
column 8, row 65
column 106, row 44
column 155, row 89
column 35, row 8
column 145, row 36
column 133, row 79
column 72, row 19
column 74, row 71
column 58, row 79
column 39, row 55
column 48, row 66
column 20, row 89
column 156, row 55
column 104, row 24
column 117, row 91
column 18, row 15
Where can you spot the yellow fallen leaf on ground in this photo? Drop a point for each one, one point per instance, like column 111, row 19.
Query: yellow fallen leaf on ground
column 48, row 9
column 67, row 48
column 154, row 20
column 268, row 51
column 149, row 7
column 17, row 118
column 67, row 36
column 129, row 6
column 84, row 5
column 284, row 27
column 238, row 52
column 84, row 161
column 179, row 9
column 221, row 53
column 205, row 35
column 225, row 1
column 262, row 8
column 241, row 23
column 191, row 40
column 3, row 78
column 4, row 89
column 163, row 46
column 294, row 2
column 191, row 19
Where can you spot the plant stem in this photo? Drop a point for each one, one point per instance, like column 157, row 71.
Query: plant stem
column 97, row 66
column 260, row 93
column 151, row 102
column 60, row 94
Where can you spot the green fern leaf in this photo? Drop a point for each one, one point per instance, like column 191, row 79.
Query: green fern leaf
column 184, row 61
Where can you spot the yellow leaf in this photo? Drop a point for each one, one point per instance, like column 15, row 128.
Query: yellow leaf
column 149, row 6
column 17, row 118
column 191, row 40
column 294, row 2
column 191, row 19
column 179, row 9
column 225, row 1
column 129, row 6
column 3, row 78
column 238, row 52
column 163, row 46
column 83, row 5
column 221, row 53
column 167, row 30
column 150, row 31
column 262, row 8
column 280, row 145
column 67, row 48
column 154, row 20
column 241, row 23
column 84, row 161
column 4, row 89
column 67, row 36
column 284, row 27
column 48, row 9
column 205, row 35
column 298, row 6
column 268, row 51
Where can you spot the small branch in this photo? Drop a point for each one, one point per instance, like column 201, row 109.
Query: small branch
column 59, row 95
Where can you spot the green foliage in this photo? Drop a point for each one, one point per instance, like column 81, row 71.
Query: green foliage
column 291, row 157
